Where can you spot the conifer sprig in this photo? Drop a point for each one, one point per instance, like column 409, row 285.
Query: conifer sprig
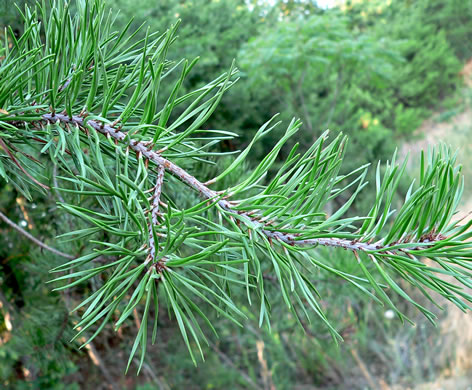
column 90, row 100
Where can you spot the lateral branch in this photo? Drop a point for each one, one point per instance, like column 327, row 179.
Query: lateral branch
column 155, row 214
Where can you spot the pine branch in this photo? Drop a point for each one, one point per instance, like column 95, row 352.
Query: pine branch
column 220, row 242
column 252, row 216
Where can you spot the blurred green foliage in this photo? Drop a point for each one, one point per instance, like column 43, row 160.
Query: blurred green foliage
column 372, row 69
column 9, row 14
column 34, row 323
